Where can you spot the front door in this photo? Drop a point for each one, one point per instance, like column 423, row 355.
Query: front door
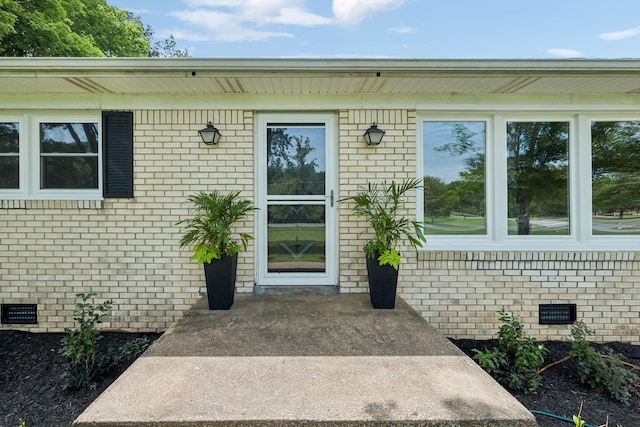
column 296, row 242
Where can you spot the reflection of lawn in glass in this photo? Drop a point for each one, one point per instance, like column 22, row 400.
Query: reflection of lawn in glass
column 542, row 227
column 456, row 225
column 296, row 237
column 604, row 225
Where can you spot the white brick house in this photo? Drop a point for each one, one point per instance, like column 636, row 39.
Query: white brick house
column 111, row 228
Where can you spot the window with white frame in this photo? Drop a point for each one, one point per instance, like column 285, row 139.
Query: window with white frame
column 9, row 155
column 454, row 177
column 615, row 177
column 50, row 157
column 530, row 181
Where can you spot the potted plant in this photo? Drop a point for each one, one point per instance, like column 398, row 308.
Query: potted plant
column 382, row 205
column 214, row 245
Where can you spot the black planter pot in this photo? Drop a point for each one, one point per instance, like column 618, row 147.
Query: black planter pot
column 220, row 277
column 383, row 282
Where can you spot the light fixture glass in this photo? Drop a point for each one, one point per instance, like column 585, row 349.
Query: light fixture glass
column 373, row 135
column 210, row 135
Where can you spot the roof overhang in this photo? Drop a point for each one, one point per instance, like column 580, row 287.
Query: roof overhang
column 317, row 76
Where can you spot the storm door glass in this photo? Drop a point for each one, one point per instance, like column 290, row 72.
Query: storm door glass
column 296, row 198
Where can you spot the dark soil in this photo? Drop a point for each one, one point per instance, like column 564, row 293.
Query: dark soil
column 31, row 388
column 30, row 383
column 561, row 392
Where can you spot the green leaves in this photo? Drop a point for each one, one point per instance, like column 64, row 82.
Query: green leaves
column 515, row 362
column 603, row 372
column 70, row 28
column 209, row 230
column 80, row 346
column 382, row 204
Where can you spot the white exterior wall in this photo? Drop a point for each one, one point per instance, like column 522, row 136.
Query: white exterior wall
column 127, row 250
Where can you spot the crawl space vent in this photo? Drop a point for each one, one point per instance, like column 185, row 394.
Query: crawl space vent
column 556, row 314
column 19, row 314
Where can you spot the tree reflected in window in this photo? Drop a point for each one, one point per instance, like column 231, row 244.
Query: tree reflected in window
column 9, row 155
column 454, row 177
column 537, row 175
column 615, row 177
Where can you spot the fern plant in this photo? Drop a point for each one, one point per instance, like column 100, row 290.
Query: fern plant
column 382, row 205
column 209, row 230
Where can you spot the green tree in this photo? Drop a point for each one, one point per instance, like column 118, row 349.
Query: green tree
column 47, row 28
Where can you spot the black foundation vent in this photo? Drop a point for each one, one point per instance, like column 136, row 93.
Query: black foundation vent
column 19, row 314
column 556, row 314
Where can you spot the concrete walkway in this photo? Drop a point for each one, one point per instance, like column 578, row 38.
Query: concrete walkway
column 304, row 360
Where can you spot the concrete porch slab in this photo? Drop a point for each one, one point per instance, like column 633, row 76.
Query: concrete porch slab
column 303, row 360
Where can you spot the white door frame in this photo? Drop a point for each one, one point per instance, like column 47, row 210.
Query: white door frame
column 330, row 276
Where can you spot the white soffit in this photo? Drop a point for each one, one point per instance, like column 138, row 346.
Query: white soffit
column 271, row 77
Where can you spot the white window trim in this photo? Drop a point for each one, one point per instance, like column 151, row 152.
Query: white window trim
column 580, row 237
column 30, row 158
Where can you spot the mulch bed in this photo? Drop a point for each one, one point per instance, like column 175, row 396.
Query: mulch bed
column 561, row 392
column 31, row 388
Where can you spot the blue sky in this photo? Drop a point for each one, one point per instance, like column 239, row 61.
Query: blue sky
column 396, row 28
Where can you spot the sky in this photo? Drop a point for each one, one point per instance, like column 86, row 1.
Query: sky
column 425, row 29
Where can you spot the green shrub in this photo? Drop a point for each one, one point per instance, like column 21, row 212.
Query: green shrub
column 603, row 372
column 515, row 362
column 85, row 361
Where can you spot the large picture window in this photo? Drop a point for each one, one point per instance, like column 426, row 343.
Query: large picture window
column 526, row 180
column 454, row 177
column 615, row 180
column 537, row 178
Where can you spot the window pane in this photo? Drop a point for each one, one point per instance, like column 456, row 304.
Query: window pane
column 295, row 159
column 9, row 138
column 454, row 181
column 296, row 236
column 615, row 177
column 69, row 172
column 9, row 172
column 538, row 182
column 9, row 155
column 68, row 137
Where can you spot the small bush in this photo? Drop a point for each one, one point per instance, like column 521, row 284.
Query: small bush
column 603, row 372
column 85, row 361
column 515, row 362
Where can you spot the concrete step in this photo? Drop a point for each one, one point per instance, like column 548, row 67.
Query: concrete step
column 268, row 362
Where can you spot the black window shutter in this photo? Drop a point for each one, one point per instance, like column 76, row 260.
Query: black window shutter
column 117, row 154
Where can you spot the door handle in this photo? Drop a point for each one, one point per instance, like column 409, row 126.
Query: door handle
column 331, row 197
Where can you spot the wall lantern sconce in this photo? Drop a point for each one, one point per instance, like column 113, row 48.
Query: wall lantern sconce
column 210, row 135
column 373, row 135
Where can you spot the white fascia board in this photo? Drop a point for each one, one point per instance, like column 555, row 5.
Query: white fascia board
column 118, row 66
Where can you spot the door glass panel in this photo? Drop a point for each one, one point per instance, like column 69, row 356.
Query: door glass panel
column 296, row 236
column 295, row 159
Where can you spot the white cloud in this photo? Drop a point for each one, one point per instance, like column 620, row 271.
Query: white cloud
column 565, row 53
column 402, row 30
column 619, row 35
column 224, row 26
column 295, row 16
column 351, row 12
